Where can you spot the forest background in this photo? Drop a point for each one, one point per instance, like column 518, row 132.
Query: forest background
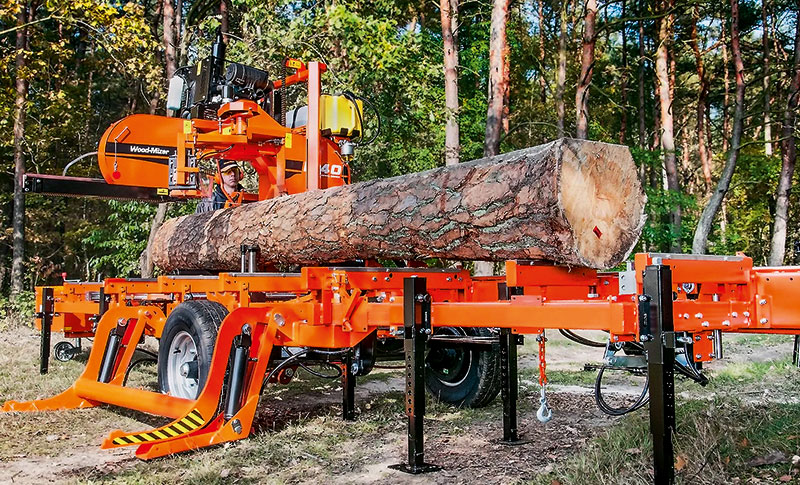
column 704, row 92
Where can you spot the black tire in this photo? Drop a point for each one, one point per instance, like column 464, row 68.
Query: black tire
column 198, row 321
column 463, row 377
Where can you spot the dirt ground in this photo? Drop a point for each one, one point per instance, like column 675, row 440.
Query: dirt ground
column 299, row 437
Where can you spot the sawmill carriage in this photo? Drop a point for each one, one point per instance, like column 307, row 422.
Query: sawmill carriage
column 225, row 333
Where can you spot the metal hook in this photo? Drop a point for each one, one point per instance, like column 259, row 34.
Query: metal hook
column 544, row 414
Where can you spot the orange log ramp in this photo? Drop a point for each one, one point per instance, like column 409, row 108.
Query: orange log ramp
column 574, row 202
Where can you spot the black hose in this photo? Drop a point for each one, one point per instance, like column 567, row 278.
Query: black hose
column 136, row 363
column 610, row 410
column 581, row 340
column 320, row 374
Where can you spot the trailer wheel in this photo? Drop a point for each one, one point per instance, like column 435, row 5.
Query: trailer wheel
column 186, row 347
column 463, row 377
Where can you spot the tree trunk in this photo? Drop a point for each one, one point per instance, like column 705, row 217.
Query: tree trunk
column 223, row 20
column 702, row 97
column 726, row 123
column 777, row 251
column 570, row 201
column 765, row 79
column 641, row 107
column 21, row 84
column 587, row 66
column 624, row 88
column 497, row 59
column 449, row 11
column 561, row 73
column 700, row 242
column 542, row 82
column 667, row 125
column 169, row 38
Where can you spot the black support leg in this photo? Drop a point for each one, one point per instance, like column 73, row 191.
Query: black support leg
column 46, row 314
column 660, row 347
column 417, row 327
column 796, row 352
column 510, row 388
column 348, row 389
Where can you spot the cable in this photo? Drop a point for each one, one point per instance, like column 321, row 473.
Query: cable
column 134, row 364
column 612, row 411
column 352, row 97
column 581, row 340
column 320, row 374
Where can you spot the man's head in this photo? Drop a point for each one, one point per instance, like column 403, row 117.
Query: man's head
column 230, row 175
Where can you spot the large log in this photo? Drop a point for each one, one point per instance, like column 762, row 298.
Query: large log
column 570, row 201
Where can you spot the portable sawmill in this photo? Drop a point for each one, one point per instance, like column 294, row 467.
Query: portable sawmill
column 223, row 337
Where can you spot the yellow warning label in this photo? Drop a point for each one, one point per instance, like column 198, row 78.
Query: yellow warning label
column 288, row 140
column 228, row 130
column 187, row 127
column 294, row 64
column 191, row 422
column 162, row 191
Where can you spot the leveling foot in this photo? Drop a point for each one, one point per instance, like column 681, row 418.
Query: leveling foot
column 415, row 469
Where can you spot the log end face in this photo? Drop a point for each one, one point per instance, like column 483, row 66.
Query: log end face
column 602, row 200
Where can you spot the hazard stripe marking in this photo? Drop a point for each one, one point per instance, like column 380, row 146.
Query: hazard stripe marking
column 191, row 422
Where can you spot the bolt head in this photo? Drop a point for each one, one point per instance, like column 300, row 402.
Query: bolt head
column 763, row 321
column 762, row 302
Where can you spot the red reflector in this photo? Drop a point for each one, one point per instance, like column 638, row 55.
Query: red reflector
column 597, row 232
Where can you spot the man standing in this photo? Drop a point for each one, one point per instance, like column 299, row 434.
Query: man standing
column 227, row 190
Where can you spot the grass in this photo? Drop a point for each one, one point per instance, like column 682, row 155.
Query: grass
column 714, row 442
column 741, row 415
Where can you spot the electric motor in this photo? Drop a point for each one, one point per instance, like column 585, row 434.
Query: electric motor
column 246, row 77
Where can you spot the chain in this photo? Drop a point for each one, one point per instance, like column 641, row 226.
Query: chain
column 544, row 414
column 542, row 361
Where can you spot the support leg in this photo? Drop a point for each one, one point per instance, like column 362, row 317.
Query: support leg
column 510, row 387
column 796, row 352
column 417, row 327
column 660, row 347
column 47, row 322
column 348, row 389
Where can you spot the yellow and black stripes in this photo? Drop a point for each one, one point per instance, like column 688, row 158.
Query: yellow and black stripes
column 191, row 422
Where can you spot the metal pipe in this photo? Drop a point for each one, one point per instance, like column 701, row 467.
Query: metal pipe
column 312, row 128
column 717, row 344
column 252, row 264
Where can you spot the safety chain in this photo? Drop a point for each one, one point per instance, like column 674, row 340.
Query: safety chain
column 544, row 414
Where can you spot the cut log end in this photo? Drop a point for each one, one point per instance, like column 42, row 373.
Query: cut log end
column 602, row 200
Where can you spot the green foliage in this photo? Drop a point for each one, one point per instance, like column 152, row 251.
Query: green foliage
column 119, row 242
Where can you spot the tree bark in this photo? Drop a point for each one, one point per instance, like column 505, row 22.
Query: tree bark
column 570, row 201
column 700, row 243
column 765, row 79
column 561, row 73
column 587, row 66
column 497, row 59
column 21, row 85
column 702, row 98
column 452, row 146
column 624, row 88
column 667, row 125
column 788, row 157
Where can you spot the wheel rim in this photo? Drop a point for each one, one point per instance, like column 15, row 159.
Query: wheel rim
column 450, row 365
column 183, row 380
